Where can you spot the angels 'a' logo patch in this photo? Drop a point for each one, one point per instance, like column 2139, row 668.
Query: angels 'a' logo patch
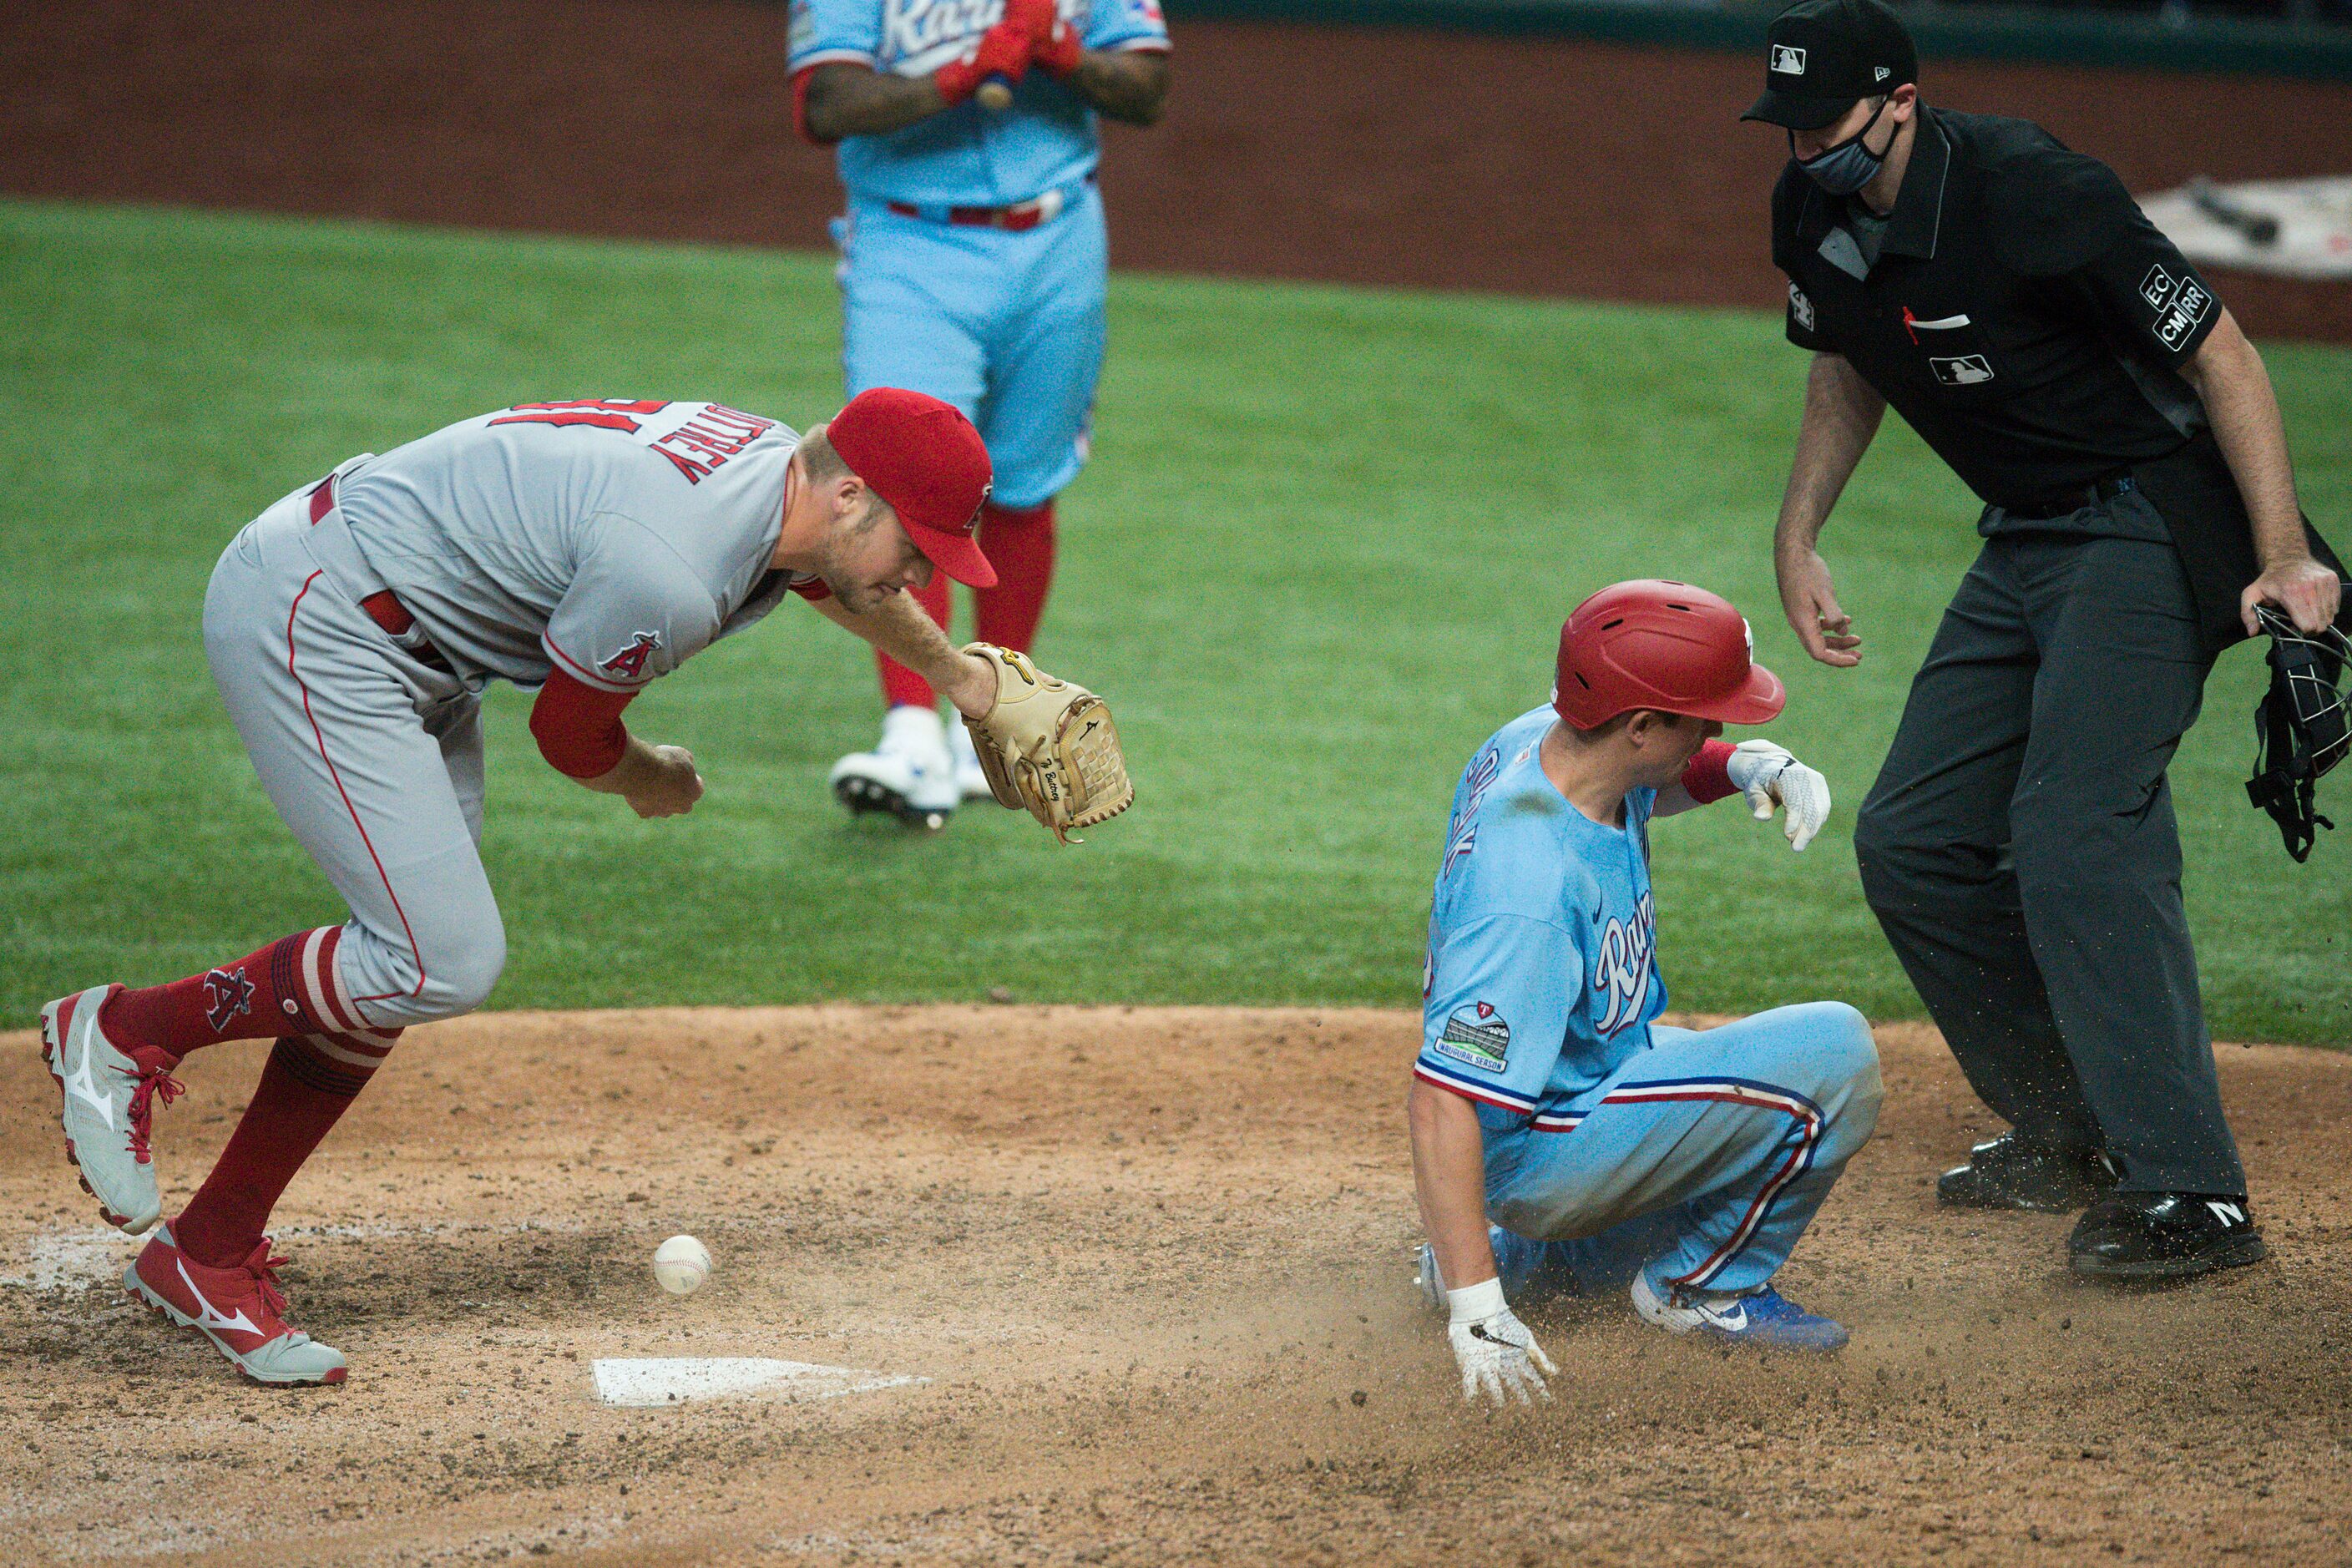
column 629, row 664
column 1479, row 1035
column 227, row 992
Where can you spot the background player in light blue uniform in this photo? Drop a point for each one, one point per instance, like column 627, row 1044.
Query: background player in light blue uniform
column 1603, row 1145
column 973, row 268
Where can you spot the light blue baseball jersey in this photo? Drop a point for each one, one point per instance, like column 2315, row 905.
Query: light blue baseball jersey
column 1541, row 978
column 967, row 156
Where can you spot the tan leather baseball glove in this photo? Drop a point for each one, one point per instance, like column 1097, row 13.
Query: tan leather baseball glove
column 1049, row 747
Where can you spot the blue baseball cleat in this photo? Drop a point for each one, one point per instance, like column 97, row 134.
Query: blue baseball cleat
column 1759, row 1317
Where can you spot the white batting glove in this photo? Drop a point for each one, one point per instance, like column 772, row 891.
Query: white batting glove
column 1769, row 777
column 1497, row 1355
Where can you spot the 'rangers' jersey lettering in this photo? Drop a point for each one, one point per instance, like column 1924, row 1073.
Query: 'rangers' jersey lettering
column 966, row 156
column 1541, row 977
column 607, row 538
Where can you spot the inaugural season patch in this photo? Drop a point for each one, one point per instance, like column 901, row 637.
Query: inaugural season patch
column 1476, row 1035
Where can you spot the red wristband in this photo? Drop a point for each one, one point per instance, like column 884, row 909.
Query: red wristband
column 1708, row 776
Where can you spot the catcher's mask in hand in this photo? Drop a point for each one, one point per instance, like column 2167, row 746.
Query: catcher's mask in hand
column 2301, row 726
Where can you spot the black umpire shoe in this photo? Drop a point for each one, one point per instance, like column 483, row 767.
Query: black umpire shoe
column 2163, row 1236
column 2009, row 1173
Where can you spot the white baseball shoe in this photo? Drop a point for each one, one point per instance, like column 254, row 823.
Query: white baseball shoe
column 970, row 781
column 1761, row 1316
column 1427, row 1280
column 108, row 1109
column 910, row 773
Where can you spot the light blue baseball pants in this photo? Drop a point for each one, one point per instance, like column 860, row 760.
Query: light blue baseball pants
column 1700, row 1161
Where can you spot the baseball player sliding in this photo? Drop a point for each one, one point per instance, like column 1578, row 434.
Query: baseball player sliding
column 583, row 548
column 974, row 267
column 1606, row 1146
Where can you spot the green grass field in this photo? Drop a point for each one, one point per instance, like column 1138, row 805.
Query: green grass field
column 1323, row 548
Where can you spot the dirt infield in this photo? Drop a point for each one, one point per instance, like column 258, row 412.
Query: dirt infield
column 1356, row 154
column 1153, row 1266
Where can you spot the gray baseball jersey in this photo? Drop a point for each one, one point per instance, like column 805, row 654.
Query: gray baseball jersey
column 611, row 540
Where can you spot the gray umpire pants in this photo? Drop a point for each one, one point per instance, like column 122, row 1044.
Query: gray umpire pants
column 2020, row 849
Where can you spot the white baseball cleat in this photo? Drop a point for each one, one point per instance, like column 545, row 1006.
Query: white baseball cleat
column 910, row 773
column 1427, row 1280
column 108, row 1109
column 970, row 781
column 1759, row 1317
column 241, row 1311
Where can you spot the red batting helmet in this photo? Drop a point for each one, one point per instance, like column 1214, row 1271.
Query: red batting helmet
column 1662, row 646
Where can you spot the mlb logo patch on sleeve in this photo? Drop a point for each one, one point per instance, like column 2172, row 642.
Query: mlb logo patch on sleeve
column 1961, row 370
column 1479, row 1035
column 1788, row 60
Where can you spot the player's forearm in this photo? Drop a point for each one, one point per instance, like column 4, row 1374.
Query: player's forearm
column 900, row 627
column 1842, row 414
column 1125, row 85
column 851, row 100
column 2228, row 374
column 1449, row 1176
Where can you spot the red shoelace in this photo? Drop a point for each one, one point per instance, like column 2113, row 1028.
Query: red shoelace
column 264, row 1269
column 153, row 1083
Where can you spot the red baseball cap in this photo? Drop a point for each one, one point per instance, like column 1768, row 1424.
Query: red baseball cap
column 1663, row 646
column 923, row 457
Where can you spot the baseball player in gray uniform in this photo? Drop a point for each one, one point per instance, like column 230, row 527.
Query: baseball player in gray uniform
column 582, row 548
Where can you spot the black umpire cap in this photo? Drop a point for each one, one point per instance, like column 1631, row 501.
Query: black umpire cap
column 1826, row 56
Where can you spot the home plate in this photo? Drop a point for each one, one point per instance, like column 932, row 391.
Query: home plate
column 673, row 1380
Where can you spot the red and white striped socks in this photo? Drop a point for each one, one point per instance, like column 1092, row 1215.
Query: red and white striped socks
column 290, row 987
column 325, row 1055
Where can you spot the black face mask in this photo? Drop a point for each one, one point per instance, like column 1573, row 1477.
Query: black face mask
column 1847, row 167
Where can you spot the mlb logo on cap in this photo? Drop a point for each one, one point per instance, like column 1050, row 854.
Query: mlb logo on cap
column 1826, row 56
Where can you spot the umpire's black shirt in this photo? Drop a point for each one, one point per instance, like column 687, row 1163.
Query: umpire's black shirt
column 2016, row 307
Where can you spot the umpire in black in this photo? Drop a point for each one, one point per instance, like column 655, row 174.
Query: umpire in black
column 2010, row 300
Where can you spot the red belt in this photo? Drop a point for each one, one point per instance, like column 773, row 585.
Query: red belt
column 1018, row 218
column 384, row 607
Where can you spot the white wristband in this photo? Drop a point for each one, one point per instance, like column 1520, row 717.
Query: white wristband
column 1476, row 1303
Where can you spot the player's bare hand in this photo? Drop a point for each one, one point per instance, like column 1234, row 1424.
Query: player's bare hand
column 972, row 688
column 1811, row 603
column 1500, row 1360
column 671, row 785
column 1770, row 776
column 2307, row 591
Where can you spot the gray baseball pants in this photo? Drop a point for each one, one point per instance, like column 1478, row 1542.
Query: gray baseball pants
column 2019, row 851
column 373, row 758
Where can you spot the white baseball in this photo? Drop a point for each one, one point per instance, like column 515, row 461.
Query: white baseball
column 681, row 1264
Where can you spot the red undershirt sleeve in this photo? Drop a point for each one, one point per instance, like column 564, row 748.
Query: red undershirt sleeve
column 1708, row 776
column 578, row 727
